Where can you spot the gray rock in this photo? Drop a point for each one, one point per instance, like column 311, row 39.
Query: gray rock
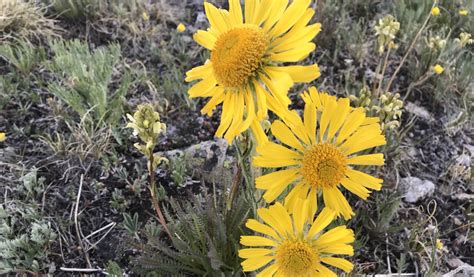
column 414, row 189
column 209, row 161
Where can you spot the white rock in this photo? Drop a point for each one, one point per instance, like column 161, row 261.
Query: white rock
column 414, row 189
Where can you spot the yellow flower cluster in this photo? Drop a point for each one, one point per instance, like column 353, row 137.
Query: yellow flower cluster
column 317, row 154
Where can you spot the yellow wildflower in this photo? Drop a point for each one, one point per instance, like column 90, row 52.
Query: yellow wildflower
column 295, row 245
column 181, row 28
column 463, row 12
column 439, row 244
column 145, row 16
column 3, row 136
column 320, row 154
column 248, row 47
column 438, row 69
column 435, row 11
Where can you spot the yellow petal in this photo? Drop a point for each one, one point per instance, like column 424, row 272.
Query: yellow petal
column 254, row 252
column 199, row 72
column 295, row 194
column 258, row 133
column 310, row 121
column 272, row 193
column 250, row 7
column 255, row 263
column 336, row 235
column 364, row 179
column 270, row 218
column 227, row 112
column 261, row 95
column 275, row 155
column 334, row 199
column 355, row 188
column 293, row 40
column 205, row 39
column 342, row 110
column 322, row 221
column 276, row 12
column 256, row 241
column 281, row 214
column 215, row 18
column 237, row 117
column 343, row 264
column 324, row 271
column 261, row 228
column 300, row 215
column 295, row 54
column 203, row 88
column 338, row 249
column 291, row 15
column 313, row 203
column 276, row 179
column 370, row 159
column 217, row 98
column 284, row 134
column 262, row 11
column 235, row 11
column 278, row 83
column 329, row 110
column 353, row 121
column 250, row 112
column 269, row 271
column 300, row 73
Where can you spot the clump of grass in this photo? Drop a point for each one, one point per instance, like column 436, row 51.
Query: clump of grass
column 24, row 19
column 84, row 80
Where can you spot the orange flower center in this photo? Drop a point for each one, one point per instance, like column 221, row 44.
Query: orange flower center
column 323, row 165
column 238, row 54
column 296, row 258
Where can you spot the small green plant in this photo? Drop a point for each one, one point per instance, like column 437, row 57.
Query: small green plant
column 204, row 239
column 25, row 236
column 130, row 223
column 22, row 56
column 178, row 170
column 113, row 269
column 119, row 201
column 84, row 77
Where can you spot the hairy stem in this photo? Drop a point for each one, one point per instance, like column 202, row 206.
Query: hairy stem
column 154, row 196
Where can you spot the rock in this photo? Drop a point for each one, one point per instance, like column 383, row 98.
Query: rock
column 455, row 263
column 414, row 189
column 210, row 161
column 418, row 111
